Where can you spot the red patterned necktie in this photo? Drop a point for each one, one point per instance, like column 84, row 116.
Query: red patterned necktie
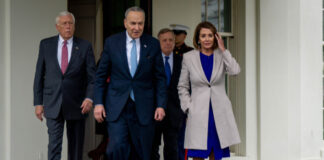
column 64, row 59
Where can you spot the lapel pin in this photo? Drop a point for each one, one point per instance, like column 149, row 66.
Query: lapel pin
column 77, row 48
column 145, row 46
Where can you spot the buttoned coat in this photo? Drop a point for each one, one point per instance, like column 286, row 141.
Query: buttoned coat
column 203, row 92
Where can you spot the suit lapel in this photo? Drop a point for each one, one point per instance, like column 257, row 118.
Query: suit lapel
column 216, row 63
column 123, row 51
column 176, row 66
column 143, row 53
column 54, row 48
column 198, row 66
column 74, row 54
column 175, row 70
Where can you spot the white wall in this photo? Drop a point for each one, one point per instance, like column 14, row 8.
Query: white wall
column 186, row 12
column 30, row 21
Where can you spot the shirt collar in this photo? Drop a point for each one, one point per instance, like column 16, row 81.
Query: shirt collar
column 129, row 39
column 61, row 40
column 171, row 55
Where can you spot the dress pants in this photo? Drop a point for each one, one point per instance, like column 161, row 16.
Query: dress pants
column 75, row 137
column 181, row 137
column 128, row 135
column 170, row 139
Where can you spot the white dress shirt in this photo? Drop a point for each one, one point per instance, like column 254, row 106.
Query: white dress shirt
column 59, row 49
column 129, row 46
column 170, row 60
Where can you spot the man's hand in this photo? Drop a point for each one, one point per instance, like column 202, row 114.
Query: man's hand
column 159, row 114
column 39, row 112
column 86, row 106
column 99, row 113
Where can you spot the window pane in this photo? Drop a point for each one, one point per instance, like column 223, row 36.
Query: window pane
column 225, row 15
column 203, row 10
column 323, row 25
column 225, row 42
column 212, row 12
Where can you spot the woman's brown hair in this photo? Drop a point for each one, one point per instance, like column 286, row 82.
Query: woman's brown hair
column 206, row 25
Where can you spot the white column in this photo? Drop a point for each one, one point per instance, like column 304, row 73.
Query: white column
column 290, row 87
column 279, row 73
column 311, row 66
column 248, row 14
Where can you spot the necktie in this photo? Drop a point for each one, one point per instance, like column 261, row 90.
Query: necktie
column 167, row 69
column 64, row 58
column 133, row 63
column 133, row 58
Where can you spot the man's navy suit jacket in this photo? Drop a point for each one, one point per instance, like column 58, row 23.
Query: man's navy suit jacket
column 148, row 83
column 57, row 91
column 174, row 114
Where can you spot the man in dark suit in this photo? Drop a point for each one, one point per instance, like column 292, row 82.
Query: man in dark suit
column 170, row 125
column 63, row 87
column 181, row 48
column 136, row 94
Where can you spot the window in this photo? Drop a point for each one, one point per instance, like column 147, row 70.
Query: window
column 219, row 13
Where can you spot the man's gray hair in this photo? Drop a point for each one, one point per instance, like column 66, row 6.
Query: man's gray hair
column 134, row 9
column 166, row 30
column 64, row 13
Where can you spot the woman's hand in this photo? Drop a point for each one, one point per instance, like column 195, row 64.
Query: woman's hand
column 220, row 42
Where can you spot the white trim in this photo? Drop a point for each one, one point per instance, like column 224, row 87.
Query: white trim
column 230, row 158
column 7, row 77
column 228, row 34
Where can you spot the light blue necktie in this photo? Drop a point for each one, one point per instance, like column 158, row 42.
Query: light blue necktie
column 133, row 63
